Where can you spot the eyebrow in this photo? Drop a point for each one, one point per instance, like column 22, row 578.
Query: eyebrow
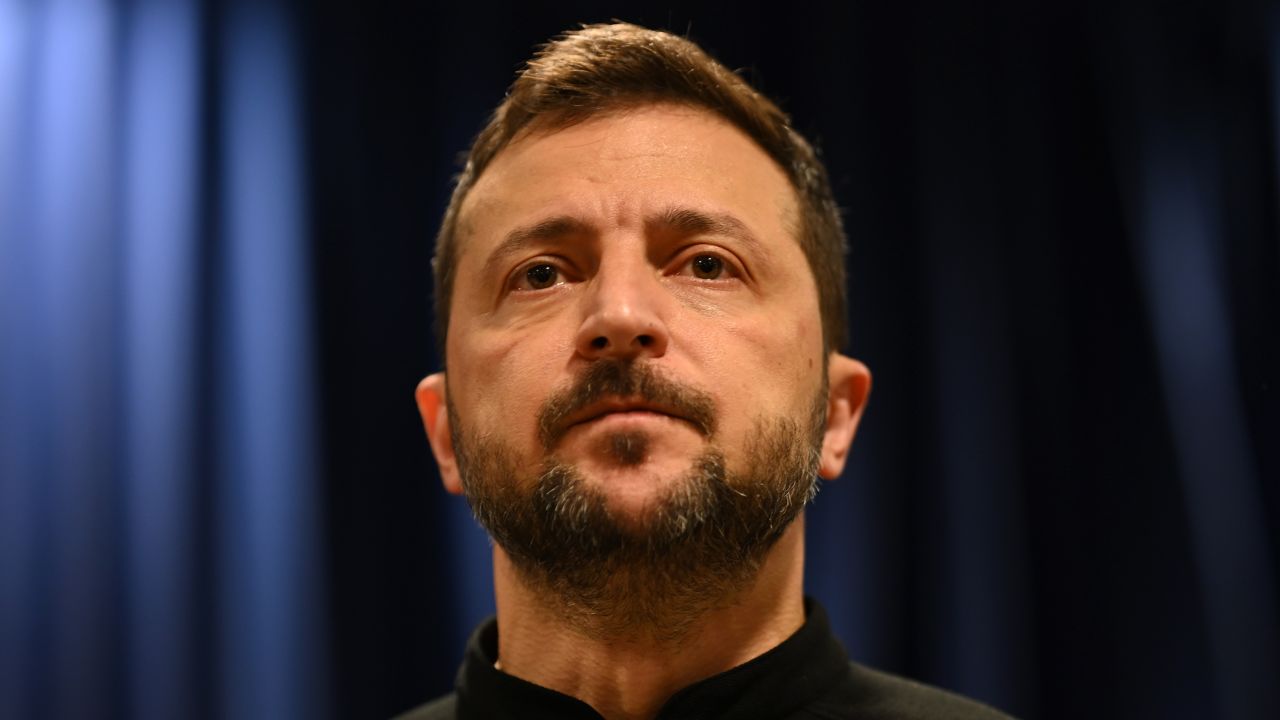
column 687, row 221
column 522, row 237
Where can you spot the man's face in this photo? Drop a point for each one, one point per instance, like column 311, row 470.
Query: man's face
column 637, row 393
column 661, row 235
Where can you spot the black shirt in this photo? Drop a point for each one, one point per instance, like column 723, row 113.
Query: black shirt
column 807, row 676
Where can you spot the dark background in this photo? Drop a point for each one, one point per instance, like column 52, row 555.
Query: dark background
column 1064, row 274
column 1017, row 522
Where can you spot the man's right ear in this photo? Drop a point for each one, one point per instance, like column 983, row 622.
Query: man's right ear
column 433, row 405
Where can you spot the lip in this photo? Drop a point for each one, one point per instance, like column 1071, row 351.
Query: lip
column 599, row 410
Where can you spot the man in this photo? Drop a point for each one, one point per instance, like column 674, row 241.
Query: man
column 640, row 296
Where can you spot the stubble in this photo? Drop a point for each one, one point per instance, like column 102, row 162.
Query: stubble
column 694, row 547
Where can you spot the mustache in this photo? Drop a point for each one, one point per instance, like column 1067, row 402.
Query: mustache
column 629, row 380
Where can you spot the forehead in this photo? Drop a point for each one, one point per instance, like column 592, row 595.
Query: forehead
column 612, row 168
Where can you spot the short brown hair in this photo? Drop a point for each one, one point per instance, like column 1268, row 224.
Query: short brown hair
column 602, row 68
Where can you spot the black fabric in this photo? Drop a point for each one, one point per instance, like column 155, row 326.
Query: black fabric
column 807, row 676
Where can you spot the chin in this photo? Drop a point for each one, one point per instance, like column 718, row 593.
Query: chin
column 631, row 493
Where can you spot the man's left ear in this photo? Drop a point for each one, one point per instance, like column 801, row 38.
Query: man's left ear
column 848, row 384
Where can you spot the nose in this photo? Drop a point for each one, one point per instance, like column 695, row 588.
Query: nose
column 624, row 318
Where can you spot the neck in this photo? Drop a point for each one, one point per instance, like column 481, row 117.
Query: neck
column 631, row 677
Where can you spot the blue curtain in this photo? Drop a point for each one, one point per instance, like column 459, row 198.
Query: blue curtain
column 1183, row 165
column 158, row 501
column 215, row 223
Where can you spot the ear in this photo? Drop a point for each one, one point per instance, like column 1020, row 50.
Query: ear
column 848, row 384
column 433, row 405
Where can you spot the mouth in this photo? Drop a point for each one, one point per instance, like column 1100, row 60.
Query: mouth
column 620, row 407
column 623, row 393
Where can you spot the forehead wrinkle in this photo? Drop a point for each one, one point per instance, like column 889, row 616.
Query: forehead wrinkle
column 525, row 236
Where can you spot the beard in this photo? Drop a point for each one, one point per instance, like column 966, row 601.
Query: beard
column 694, row 547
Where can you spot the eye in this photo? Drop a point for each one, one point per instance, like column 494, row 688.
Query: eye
column 714, row 266
column 538, row 276
column 541, row 276
column 707, row 267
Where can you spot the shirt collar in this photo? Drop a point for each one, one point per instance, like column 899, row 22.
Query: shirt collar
column 785, row 678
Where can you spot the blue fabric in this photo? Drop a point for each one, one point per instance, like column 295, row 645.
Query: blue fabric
column 158, row 485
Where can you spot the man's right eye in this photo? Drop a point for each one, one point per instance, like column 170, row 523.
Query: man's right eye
column 540, row 276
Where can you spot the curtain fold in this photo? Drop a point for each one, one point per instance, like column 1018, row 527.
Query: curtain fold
column 158, row 477
column 215, row 237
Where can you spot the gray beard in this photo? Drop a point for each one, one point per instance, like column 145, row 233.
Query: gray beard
column 694, row 548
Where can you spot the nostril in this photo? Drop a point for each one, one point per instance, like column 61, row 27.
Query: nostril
column 644, row 340
column 600, row 343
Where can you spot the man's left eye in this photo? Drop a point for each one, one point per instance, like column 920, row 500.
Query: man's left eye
column 707, row 267
column 541, row 276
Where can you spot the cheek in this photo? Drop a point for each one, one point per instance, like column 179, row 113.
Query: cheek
column 778, row 346
column 766, row 364
column 503, row 379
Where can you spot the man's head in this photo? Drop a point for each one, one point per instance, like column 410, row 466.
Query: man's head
column 604, row 69
column 642, row 383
